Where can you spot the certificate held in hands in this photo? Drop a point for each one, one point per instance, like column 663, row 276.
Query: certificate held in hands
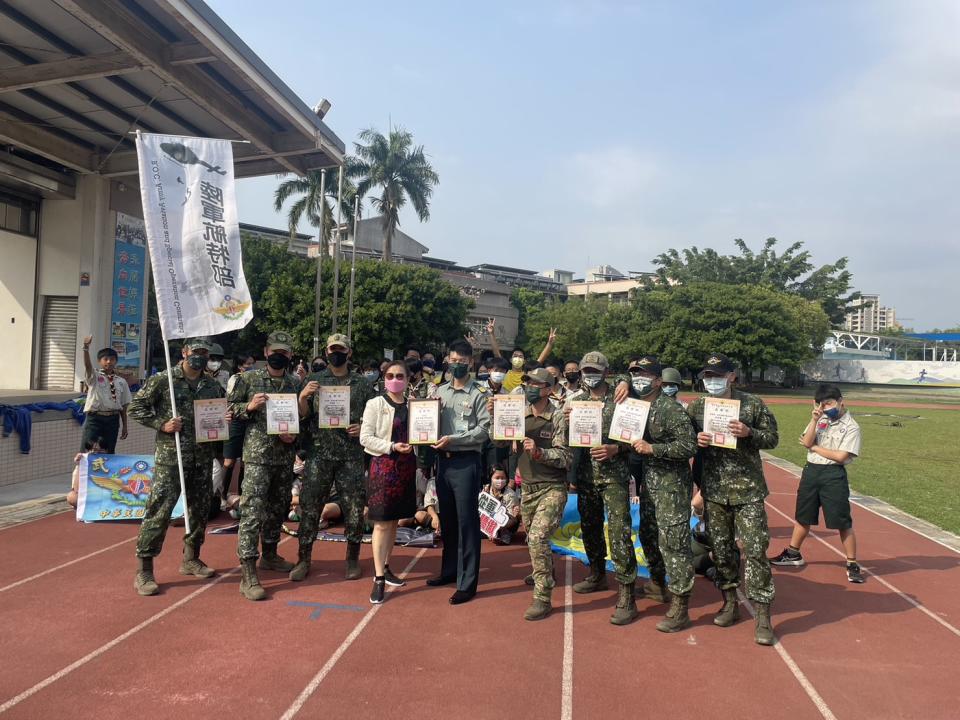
column 629, row 420
column 423, row 421
column 508, row 417
column 586, row 423
column 283, row 415
column 717, row 414
column 209, row 420
column 334, row 402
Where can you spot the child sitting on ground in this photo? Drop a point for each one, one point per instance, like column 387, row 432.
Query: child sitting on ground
column 498, row 487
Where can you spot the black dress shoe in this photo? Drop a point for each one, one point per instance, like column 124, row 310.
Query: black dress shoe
column 461, row 596
column 441, row 580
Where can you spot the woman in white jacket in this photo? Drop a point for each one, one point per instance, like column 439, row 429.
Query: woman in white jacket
column 392, row 480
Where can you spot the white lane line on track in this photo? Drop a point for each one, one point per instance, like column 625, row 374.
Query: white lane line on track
column 566, row 699
column 804, row 681
column 314, row 683
column 890, row 586
column 12, row 702
column 66, row 564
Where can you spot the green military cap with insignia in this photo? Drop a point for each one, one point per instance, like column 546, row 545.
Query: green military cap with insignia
column 594, row 360
column 339, row 339
column 280, row 340
column 198, row 343
column 540, row 375
column 718, row 363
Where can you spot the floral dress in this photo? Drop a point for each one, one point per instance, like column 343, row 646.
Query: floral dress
column 392, row 482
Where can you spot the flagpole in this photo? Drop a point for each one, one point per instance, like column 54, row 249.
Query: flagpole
column 336, row 259
column 176, row 438
column 316, row 302
column 353, row 263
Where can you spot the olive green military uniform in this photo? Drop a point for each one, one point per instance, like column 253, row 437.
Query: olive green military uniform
column 334, row 457
column 733, row 488
column 268, row 463
column 151, row 407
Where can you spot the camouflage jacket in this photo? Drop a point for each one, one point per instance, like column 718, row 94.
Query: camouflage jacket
column 151, row 407
column 671, row 435
column 333, row 444
column 615, row 469
column 259, row 448
column 549, row 432
column 735, row 477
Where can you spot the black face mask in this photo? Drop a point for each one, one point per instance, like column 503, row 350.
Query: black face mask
column 278, row 361
column 429, row 364
column 459, row 370
column 483, row 376
column 572, row 378
column 337, row 358
column 197, row 362
column 317, row 367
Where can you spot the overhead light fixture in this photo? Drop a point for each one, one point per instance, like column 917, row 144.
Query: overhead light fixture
column 322, row 108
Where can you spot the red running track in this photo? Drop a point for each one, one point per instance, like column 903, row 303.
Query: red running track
column 78, row 642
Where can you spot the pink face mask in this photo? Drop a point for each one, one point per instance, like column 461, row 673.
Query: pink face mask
column 395, row 386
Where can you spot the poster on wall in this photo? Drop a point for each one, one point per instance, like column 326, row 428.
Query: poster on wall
column 129, row 286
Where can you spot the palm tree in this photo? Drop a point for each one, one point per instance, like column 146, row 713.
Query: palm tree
column 401, row 172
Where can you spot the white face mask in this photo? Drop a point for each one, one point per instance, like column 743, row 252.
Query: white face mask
column 715, row 385
column 591, row 380
column 670, row 390
column 497, row 376
column 213, row 365
column 499, row 483
column 372, row 375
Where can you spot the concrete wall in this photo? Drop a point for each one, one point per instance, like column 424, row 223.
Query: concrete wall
column 17, row 285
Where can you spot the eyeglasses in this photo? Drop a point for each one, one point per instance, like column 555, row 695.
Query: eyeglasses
column 395, row 376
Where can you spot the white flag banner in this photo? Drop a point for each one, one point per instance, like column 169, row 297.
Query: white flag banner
column 190, row 210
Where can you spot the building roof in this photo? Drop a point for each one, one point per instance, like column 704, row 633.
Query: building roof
column 273, row 231
column 76, row 76
column 941, row 337
column 502, row 268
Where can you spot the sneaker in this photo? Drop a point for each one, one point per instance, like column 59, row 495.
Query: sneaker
column 788, row 557
column 392, row 579
column 855, row 574
column 376, row 595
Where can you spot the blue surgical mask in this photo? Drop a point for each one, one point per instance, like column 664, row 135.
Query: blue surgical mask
column 670, row 390
column 715, row 385
column 498, row 376
column 832, row 413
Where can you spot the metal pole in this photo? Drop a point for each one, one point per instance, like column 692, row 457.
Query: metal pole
column 336, row 257
column 353, row 264
column 316, row 302
column 176, row 438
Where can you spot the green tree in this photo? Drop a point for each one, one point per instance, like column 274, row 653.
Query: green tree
column 791, row 271
column 310, row 204
column 577, row 322
column 526, row 302
column 400, row 172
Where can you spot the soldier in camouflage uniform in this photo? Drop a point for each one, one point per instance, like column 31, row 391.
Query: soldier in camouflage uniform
column 733, row 488
column 666, row 447
column 268, row 464
column 542, row 461
column 151, row 407
column 603, row 481
column 333, row 455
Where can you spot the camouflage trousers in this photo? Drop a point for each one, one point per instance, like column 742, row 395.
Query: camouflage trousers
column 591, row 500
column 164, row 493
column 264, row 503
column 542, row 509
column 748, row 522
column 319, row 475
column 650, row 534
column 672, row 502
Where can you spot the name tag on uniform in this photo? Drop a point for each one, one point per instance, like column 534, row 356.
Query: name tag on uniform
column 546, row 434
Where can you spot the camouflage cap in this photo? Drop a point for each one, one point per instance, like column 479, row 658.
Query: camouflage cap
column 647, row 363
column 671, row 375
column 216, row 349
column 718, row 363
column 198, row 343
column 594, row 359
column 280, row 340
column 540, row 375
column 339, row 339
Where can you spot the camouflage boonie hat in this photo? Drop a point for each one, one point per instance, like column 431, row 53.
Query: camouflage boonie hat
column 671, row 375
column 198, row 343
column 647, row 363
column 718, row 363
column 339, row 339
column 280, row 340
column 216, row 349
column 540, row 375
column 594, row 360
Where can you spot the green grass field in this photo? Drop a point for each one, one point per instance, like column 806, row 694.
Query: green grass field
column 909, row 457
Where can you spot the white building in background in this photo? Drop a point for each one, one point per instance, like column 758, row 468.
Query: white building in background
column 869, row 316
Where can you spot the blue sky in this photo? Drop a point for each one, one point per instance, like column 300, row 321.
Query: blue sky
column 570, row 134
